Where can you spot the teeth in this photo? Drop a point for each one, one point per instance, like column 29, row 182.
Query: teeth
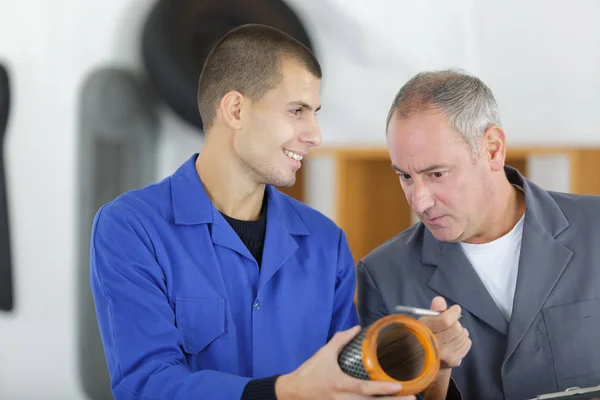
column 293, row 155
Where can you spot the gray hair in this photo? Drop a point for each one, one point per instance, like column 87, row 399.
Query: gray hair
column 468, row 103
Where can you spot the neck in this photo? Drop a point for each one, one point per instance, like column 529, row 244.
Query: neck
column 507, row 206
column 227, row 182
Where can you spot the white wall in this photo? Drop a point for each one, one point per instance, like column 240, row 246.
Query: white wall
column 540, row 57
column 49, row 47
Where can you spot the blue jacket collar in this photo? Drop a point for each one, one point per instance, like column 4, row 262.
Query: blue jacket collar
column 192, row 206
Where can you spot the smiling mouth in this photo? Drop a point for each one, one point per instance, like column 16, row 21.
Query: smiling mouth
column 293, row 156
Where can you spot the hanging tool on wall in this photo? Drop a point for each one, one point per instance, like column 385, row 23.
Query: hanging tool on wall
column 6, row 275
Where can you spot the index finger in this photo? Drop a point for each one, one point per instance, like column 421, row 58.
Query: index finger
column 444, row 320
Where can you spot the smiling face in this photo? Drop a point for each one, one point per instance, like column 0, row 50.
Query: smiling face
column 444, row 185
column 279, row 129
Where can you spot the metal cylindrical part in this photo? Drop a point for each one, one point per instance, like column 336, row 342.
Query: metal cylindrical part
column 395, row 348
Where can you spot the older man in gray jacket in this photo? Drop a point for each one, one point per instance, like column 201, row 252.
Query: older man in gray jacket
column 521, row 264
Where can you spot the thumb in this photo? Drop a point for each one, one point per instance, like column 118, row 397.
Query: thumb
column 342, row 338
column 438, row 304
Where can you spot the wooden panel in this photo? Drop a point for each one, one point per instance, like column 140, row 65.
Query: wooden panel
column 519, row 163
column 517, row 156
column 585, row 171
column 297, row 191
column 371, row 207
column 525, row 152
column 362, row 152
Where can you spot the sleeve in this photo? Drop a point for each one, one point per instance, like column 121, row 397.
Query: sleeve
column 260, row 389
column 136, row 320
column 344, row 310
column 371, row 306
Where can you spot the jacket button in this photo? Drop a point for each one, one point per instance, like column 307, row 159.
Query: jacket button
column 256, row 306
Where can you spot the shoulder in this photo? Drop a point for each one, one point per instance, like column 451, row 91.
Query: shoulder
column 137, row 206
column 406, row 243
column 582, row 211
column 571, row 203
column 405, row 246
column 549, row 205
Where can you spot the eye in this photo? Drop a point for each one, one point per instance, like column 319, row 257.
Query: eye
column 296, row 111
column 438, row 174
column 404, row 177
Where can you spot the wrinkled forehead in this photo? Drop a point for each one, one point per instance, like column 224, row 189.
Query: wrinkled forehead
column 424, row 139
column 426, row 127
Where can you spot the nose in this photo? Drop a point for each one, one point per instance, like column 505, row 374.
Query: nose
column 312, row 135
column 422, row 198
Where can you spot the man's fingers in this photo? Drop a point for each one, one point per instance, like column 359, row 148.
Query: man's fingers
column 463, row 346
column 450, row 334
column 353, row 396
column 411, row 397
column 456, row 342
column 451, row 354
column 451, row 315
column 368, row 388
column 444, row 320
column 438, row 304
column 372, row 388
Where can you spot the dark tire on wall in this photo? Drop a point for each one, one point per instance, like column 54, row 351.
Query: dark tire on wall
column 179, row 34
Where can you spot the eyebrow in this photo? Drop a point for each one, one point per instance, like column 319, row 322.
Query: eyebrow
column 423, row 171
column 303, row 105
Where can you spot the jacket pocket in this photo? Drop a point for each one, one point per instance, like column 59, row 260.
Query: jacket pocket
column 573, row 330
column 200, row 322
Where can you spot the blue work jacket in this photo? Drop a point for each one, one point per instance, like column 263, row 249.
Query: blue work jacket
column 183, row 309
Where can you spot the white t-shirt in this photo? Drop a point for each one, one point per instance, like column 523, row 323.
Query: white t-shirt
column 497, row 264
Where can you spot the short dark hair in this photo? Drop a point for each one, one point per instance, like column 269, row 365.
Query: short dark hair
column 248, row 59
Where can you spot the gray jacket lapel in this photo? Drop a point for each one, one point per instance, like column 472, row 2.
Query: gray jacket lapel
column 456, row 280
column 542, row 260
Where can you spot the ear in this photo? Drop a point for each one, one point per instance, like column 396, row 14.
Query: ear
column 494, row 140
column 230, row 109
